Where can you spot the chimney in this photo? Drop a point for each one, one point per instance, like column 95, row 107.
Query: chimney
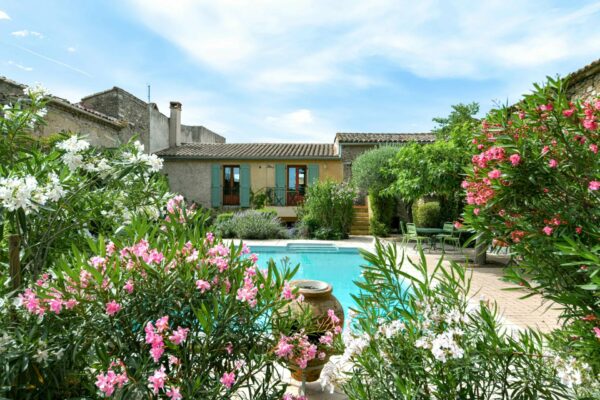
column 175, row 124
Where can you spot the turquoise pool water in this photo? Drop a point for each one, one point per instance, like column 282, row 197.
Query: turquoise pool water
column 337, row 266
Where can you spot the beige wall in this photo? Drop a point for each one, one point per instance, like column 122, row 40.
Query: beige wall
column 191, row 178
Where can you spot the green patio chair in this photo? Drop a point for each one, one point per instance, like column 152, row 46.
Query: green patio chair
column 411, row 235
column 448, row 236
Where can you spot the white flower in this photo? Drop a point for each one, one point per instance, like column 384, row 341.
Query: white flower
column 73, row 160
column 568, row 371
column 73, row 145
column 391, row 329
column 41, row 113
column 154, row 162
column 53, row 189
column 22, row 193
column 41, row 356
column 138, row 146
column 38, row 89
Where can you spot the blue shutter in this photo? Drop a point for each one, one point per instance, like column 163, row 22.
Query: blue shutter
column 245, row 185
column 313, row 174
column 216, row 188
column 279, row 184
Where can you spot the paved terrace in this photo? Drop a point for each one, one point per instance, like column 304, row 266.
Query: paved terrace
column 516, row 313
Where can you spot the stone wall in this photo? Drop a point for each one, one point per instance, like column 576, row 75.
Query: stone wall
column 199, row 134
column 122, row 105
column 191, row 178
column 159, row 130
column 585, row 83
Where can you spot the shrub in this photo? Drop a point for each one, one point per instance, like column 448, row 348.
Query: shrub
column 328, row 209
column 419, row 335
column 252, row 224
column 377, row 228
column 370, row 172
column 64, row 191
column 427, row 214
column 159, row 310
column 533, row 185
column 258, row 199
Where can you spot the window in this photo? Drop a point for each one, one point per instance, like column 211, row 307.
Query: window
column 231, row 185
column 296, row 184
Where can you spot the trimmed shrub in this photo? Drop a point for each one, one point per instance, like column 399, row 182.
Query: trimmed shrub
column 252, row 224
column 377, row 228
column 427, row 214
column 383, row 210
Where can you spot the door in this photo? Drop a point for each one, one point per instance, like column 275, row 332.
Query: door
column 296, row 184
column 231, row 185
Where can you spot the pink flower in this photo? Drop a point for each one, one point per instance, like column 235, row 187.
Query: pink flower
column 597, row 332
column 210, row 237
column 110, row 248
column 56, row 305
column 174, row 394
column 202, row 285
column 515, row 159
column 594, row 185
column 458, row 225
column 71, row 303
column 112, row 308
column 521, row 115
column 162, row 324
column 545, row 150
column 287, row 292
column 569, row 112
column 228, row 379
column 594, row 148
column 157, row 350
column 157, row 381
column 476, row 211
column 590, row 124
column 128, row 286
column 105, row 382
column 179, row 335
column 548, row 230
column 578, row 230
column 494, row 174
column 553, row 163
column 333, row 317
column 254, row 258
column 229, row 348
column 245, row 249
column 284, row 349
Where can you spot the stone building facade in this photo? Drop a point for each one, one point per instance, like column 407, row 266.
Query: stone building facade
column 585, row 82
column 112, row 117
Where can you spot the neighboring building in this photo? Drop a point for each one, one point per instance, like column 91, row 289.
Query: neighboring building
column 351, row 145
column 110, row 118
column 585, row 82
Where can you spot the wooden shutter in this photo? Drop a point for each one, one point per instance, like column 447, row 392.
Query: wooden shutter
column 216, row 186
column 279, row 184
column 245, row 185
column 313, row 174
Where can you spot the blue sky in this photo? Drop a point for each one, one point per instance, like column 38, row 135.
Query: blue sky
column 272, row 70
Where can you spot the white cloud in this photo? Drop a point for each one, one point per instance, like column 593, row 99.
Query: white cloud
column 296, row 126
column 71, row 49
column 25, row 33
column 270, row 44
column 4, row 15
column 21, row 67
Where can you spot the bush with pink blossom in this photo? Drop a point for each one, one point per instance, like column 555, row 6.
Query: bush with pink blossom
column 534, row 186
column 165, row 310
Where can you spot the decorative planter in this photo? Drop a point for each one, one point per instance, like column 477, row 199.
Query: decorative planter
column 318, row 296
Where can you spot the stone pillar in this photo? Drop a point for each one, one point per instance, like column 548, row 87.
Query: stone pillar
column 175, row 124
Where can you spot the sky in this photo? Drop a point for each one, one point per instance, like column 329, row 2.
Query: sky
column 299, row 70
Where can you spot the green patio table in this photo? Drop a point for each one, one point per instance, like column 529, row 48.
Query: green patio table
column 431, row 232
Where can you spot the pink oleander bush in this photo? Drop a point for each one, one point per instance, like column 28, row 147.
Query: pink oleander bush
column 166, row 311
column 534, row 186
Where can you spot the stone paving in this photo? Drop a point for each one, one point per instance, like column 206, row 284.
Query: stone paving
column 516, row 313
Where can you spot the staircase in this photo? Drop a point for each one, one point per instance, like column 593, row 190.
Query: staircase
column 360, row 223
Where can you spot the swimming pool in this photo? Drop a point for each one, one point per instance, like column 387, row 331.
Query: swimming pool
column 338, row 266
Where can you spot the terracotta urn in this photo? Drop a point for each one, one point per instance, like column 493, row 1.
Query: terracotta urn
column 318, row 296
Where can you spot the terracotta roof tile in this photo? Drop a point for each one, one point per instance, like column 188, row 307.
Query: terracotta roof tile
column 348, row 137
column 245, row 151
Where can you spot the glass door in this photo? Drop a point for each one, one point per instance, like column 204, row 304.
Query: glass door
column 296, row 185
column 231, row 185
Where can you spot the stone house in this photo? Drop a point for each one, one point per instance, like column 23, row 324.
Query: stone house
column 111, row 117
column 585, row 82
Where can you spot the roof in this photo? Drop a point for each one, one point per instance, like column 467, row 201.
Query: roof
column 250, row 151
column 347, row 137
column 584, row 72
